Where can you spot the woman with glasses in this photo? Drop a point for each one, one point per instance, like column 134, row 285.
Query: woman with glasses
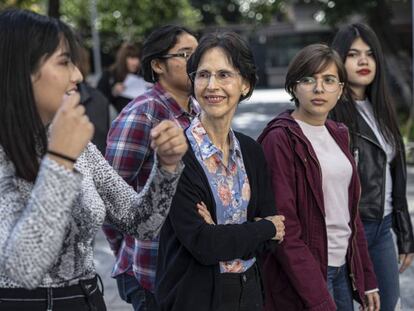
column 369, row 112
column 223, row 213
column 323, row 262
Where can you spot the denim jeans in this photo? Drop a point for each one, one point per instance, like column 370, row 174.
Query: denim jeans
column 384, row 257
column 339, row 287
column 132, row 292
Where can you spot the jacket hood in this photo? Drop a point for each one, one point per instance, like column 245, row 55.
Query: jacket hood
column 285, row 119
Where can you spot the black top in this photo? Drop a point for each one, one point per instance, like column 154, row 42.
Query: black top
column 105, row 85
column 190, row 250
column 372, row 160
column 97, row 109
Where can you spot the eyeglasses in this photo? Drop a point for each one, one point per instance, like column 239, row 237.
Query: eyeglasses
column 329, row 84
column 223, row 77
column 185, row 55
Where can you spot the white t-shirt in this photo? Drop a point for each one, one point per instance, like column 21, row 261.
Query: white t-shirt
column 364, row 107
column 336, row 176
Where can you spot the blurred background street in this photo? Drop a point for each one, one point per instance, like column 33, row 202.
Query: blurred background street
column 250, row 119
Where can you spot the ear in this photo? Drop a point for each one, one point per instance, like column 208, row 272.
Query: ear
column 35, row 76
column 245, row 88
column 158, row 66
column 341, row 90
column 294, row 92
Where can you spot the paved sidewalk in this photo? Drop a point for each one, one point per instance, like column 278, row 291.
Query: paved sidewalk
column 104, row 261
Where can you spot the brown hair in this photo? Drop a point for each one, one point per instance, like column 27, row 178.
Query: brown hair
column 119, row 68
column 312, row 59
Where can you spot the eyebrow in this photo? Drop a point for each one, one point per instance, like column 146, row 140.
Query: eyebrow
column 358, row 50
column 330, row 75
column 64, row 54
column 184, row 49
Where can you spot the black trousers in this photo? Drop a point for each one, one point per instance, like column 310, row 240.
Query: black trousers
column 241, row 291
column 85, row 296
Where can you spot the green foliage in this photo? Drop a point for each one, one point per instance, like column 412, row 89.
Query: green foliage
column 261, row 11
column 132, row 20
column 128, row 20
column 218, row 12
column 334, row 12
column 34, row 5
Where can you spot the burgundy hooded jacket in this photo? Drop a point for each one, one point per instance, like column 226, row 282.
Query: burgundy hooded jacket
column 295, row 274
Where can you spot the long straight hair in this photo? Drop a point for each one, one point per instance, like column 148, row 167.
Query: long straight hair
column 377, row 92
column 27, row 40
column 120, row 68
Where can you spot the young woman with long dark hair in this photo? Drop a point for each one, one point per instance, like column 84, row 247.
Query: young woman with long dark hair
column 56, row 187
column 369, row 112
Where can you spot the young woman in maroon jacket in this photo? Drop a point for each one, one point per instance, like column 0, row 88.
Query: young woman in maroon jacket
column 323, row 262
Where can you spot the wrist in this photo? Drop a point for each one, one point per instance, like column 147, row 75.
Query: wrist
column 172, row 168
column 61, row 155
column 65, row 163
column 61, row 159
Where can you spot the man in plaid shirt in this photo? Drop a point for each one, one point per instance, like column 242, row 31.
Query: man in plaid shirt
column 164, row 57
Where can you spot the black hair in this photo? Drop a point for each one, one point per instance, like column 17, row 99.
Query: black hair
column 27, row 40
column 312, row 59
column 237, row 50
column 157, row 44
column 377, row 92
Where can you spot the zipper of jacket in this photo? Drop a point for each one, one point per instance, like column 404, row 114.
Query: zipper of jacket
column 320, row 177
column 311, row 155
column 384, row 164
column 356, row 156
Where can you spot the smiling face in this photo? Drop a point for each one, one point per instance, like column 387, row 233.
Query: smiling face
column 56, row 77
column 316, row 103
column 219, row 94
column 360, row 66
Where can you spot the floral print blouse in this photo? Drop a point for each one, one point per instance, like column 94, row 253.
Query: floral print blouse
column 229, row 184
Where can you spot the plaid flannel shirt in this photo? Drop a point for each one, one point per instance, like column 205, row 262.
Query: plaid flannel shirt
column 129, row 152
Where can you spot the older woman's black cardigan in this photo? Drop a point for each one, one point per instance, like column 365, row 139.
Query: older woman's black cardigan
column 190, row 250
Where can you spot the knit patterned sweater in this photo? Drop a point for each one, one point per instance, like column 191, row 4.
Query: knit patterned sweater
column 47, row 228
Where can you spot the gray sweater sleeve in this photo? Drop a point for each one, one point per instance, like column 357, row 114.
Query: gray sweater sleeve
column 138, row 214
column 32, row 229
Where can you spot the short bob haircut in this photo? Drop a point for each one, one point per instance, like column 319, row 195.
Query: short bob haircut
column 119, row 68
column 238, row 53
column 377, row 92
column 311, row 60
column 158, row 43
column 27, row 41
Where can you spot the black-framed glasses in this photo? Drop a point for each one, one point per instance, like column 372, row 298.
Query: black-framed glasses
column 185, row 55
column 329, row 84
